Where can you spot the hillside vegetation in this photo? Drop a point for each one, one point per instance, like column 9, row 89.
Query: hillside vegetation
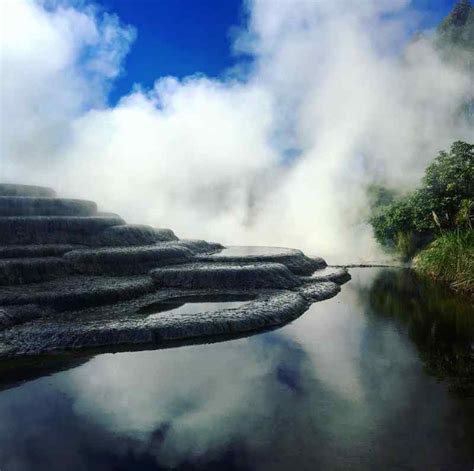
column 434, row 223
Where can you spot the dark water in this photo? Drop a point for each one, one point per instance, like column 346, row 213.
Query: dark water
column 379, row 377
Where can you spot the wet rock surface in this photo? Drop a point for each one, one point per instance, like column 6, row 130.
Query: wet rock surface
column 126, row 260
column 335, row 274
column 295, row 260
column 131, row 235
column 226, row 275
column 24, row 230
column 14, row 189
column 73, row 278
column 30, row 206
column 18, row 271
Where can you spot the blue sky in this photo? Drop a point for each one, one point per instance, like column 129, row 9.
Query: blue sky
column 184, row 37
column 176, row 37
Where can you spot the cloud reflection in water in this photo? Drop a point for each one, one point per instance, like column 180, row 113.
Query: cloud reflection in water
column 340, row 387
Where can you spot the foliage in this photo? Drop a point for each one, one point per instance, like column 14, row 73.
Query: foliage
column 442, row 203
column 457, row 30
column 454, row 40
column 379, row 197
column 440, row 212
column 450, row 259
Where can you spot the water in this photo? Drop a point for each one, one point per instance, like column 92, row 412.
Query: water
column 196, row 304
column 379, row 377
column 249, row 250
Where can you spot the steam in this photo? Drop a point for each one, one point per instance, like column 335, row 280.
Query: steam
column 279, row 155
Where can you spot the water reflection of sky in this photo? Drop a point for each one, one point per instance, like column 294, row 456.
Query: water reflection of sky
column 190, row 308
column 336, row 389
column 249, row 250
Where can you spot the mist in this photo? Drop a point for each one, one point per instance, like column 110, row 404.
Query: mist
column 337, row 95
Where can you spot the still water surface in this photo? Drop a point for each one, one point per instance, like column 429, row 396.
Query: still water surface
column 379, row 377
column 249, row 250
column 196, row 304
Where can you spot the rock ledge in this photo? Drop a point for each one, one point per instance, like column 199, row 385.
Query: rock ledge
column 73, row 278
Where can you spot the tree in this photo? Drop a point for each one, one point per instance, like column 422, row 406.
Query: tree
column 449, row 181
column 443, row 202
column 457, row 29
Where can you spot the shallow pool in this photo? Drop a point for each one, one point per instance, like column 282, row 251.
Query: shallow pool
column 196, row 304
column 249, row 251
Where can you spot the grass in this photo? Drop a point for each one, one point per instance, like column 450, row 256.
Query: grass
column 450, row 259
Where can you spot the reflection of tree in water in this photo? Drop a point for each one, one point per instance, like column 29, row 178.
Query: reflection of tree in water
column 440, row 324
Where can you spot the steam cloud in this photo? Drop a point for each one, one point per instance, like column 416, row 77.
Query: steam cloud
column 278, row 155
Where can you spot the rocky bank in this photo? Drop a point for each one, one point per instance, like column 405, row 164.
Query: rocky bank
column 74, row 278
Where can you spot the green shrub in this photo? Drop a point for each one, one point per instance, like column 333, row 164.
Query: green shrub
column 443, row 202
column 449, row 181
column 450, row 259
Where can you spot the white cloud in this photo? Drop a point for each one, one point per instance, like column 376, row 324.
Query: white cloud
column 55, row 64
column 204, row 414
column 204, row 156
